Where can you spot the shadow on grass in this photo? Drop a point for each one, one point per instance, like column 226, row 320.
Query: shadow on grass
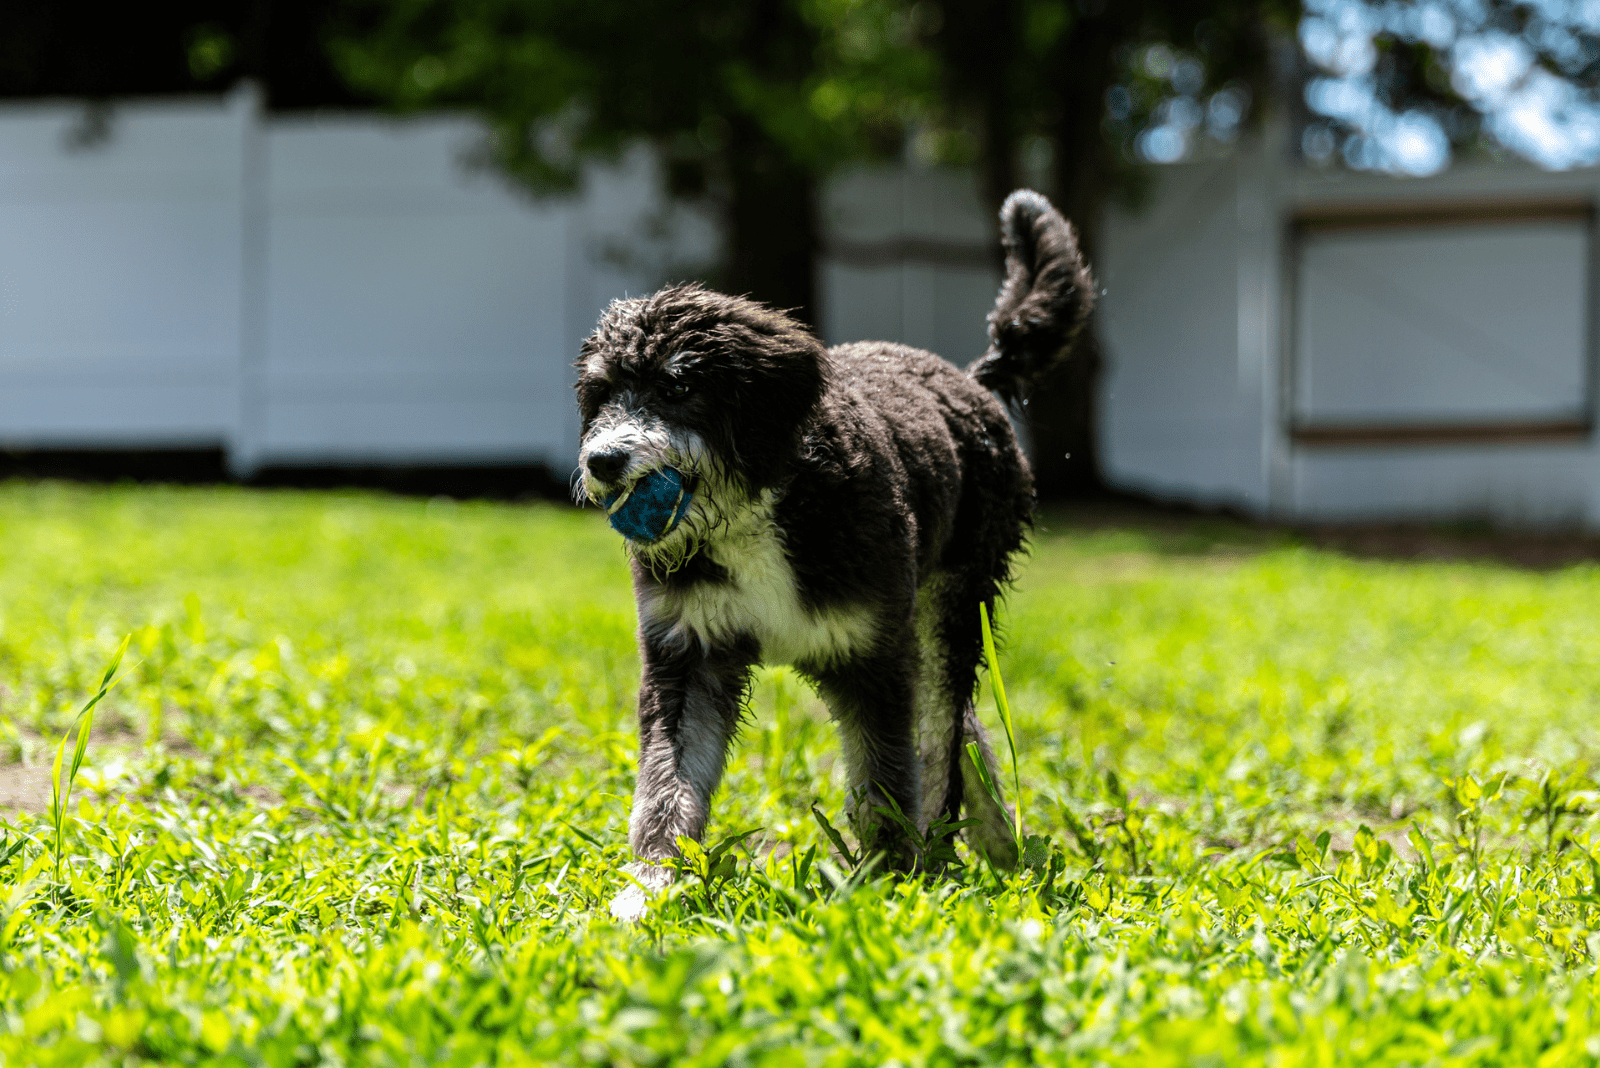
column 508, row 480
column 1176, row 530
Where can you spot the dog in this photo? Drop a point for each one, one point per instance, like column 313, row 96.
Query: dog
column 844, row 510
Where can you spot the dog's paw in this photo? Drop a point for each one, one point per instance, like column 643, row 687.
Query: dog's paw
column 646, row 880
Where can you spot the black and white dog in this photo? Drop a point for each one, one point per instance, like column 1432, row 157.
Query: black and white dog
column 842, row 510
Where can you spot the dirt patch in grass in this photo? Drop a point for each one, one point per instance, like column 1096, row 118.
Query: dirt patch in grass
column 23, row 787
column 1136, row 566
column 1342, row 828
column 25, row 784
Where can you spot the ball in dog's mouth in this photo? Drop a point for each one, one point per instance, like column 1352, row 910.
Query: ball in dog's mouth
column 649, row 509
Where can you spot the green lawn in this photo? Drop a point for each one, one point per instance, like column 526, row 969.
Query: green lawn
column 361, row 791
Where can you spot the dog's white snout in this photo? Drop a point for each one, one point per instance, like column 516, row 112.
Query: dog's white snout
column 616, row 453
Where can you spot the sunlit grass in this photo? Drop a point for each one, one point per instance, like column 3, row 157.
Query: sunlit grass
column 361, row 789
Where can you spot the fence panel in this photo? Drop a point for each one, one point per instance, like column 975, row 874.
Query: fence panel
column 414, row 306
column 120, row 281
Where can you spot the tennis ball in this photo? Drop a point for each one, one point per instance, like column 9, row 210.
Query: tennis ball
column 651, row 507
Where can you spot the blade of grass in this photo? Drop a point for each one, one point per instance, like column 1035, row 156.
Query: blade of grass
column 834, row 836
column 61, row 791
column 13, row 849
column 57, row 809
column 999, row 687
column 985, row 779
column 990, row 787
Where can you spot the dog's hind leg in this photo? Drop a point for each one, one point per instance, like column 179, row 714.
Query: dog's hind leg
column 872, row 699
column 939, row 705
column 961, row 636
column 689, row 706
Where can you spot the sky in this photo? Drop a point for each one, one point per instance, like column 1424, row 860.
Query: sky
column 1526, row 106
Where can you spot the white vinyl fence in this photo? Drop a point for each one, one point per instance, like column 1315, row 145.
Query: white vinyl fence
column 910, row 256
column 410, row 312
column 339, row 289
column 351, row 289
column 121, row 274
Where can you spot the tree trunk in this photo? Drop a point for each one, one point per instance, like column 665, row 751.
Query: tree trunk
column 773, row 229
column 772, row 225
column 1063, row 414
column 978, row 41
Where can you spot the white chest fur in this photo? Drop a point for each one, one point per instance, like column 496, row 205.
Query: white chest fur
column 760, row 599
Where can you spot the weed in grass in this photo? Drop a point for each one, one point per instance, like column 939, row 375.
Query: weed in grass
column 61, row 787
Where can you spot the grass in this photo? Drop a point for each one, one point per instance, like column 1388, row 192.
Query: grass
column 358, row 796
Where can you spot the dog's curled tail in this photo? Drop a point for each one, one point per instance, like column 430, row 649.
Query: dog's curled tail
column 1044, row 301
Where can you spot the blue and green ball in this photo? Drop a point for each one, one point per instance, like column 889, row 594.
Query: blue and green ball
column 649, row 509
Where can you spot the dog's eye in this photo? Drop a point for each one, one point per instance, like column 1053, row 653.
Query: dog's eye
column 677, row 388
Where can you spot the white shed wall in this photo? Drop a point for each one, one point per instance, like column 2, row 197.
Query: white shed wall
column 1520, row 483
column 1528, row 482
column 1461, row 321
column 1200, row 325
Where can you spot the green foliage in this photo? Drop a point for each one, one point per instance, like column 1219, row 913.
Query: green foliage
column 821, row 82
column 824, row 81
column 360, row 794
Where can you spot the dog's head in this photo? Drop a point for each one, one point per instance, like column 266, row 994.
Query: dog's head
column 714, row 386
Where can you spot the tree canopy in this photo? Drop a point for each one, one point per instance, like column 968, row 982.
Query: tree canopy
column 102, row 49
column 750, row 102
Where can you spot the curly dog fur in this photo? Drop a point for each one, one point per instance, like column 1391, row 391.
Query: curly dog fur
column 851, row 509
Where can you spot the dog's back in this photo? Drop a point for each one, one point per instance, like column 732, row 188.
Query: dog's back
column 945, row 443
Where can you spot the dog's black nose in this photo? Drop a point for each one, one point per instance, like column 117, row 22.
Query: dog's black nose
column 606, row 466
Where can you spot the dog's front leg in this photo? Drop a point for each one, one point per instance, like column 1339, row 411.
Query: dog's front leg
column 689, row 706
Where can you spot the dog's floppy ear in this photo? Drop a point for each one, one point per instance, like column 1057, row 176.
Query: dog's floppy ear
column 777, row 371
column 616, row 335
column 770, row 376
column 591, row 386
